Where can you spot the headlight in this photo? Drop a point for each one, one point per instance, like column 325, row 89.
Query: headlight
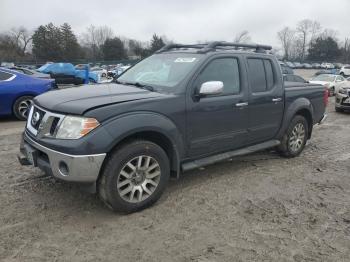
column 73, row 127
column 343, row 91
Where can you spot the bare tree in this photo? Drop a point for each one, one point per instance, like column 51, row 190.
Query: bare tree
column 95, row 37
column 286, row 37
column 314, row 31
column 329, row 33
column 304, row 28
column 347, row 50
column 242, row 37
column 21, row 37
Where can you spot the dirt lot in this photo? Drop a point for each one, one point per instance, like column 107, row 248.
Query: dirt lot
column 259, row 207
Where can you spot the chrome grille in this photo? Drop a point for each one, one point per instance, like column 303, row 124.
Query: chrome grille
column 43, row 123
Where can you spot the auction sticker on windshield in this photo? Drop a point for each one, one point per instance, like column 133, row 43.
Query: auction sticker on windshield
column 185, row 60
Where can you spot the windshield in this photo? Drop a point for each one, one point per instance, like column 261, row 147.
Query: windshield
column 326, row 78
column 161, row 70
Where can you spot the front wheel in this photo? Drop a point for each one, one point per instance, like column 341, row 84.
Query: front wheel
column 134, row 176
column 21, row 107
column 337, row 109
column 294, row 140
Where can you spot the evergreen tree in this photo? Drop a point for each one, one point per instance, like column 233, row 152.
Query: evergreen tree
column 324, row 49
column 69, row 44
column 113, row 49
column 55, row 43
column 156, row 43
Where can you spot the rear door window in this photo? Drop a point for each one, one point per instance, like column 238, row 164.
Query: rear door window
column 5, row 76
column 261, row 74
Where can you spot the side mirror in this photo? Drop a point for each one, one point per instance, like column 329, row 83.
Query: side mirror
column 211, row 88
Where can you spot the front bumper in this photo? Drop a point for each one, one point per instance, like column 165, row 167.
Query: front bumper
column 72, row 168
column 340, row 101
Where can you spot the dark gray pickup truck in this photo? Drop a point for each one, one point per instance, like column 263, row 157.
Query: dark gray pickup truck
column 185, row 107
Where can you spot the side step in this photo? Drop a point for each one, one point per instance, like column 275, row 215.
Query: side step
column 223, row 156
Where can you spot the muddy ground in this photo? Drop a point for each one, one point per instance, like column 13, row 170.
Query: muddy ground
column 259, row 207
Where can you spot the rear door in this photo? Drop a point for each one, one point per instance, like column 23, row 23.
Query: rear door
column 218, row 123
column 266, row 99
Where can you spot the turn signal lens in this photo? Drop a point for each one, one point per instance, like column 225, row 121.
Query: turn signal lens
column 89, row 125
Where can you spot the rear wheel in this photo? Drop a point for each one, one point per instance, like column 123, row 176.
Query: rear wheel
column 134, row 176
column 294, row 140
column 21, row 107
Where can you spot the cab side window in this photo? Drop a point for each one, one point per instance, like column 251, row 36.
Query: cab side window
column 225, row 70
column 261, row 75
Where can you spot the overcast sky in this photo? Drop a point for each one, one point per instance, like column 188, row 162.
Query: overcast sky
column 182, row 21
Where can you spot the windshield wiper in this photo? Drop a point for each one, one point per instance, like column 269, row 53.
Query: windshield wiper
column 137, row 84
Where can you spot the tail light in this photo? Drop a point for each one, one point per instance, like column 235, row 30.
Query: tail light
column 325, row 97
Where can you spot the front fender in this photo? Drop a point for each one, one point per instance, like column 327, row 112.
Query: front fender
column 291, row 110
column 129, row 124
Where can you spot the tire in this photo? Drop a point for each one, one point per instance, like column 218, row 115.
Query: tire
column 92, row 81
column 286, row 147
column 339, row 110
column 21, row 107
column 331, row 91
column 119, row 192
column 342, row 74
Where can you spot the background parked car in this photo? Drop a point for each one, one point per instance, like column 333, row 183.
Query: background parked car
column 345, row 70
column 17, row 91
column 30, row 72
column 316, row 65
column 290, row 64
column 286, row 70
column 326, row 72
column 332, row 82
column 342, row 98
column 327, row 66
column 99, row 70
column 65, row 73
column 338, row 65
column 294, row 78
column 297, row 65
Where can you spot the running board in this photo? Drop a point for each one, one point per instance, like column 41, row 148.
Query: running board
column 223, row 156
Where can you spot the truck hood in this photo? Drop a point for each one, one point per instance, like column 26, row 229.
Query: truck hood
column 78, row 100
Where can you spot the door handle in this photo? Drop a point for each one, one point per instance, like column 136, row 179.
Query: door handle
column 277, row 99
column 241, row 104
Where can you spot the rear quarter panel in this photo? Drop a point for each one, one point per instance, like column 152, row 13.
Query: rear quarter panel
column 300, row 96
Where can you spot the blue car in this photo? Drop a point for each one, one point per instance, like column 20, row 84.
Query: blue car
column 17, row 91
column 65, row 73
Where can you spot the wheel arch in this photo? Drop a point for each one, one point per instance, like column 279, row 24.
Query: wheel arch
column 307, row 115
column 147, row 126
column 301, row 106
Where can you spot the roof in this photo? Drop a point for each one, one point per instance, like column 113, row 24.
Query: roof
column 215, row 46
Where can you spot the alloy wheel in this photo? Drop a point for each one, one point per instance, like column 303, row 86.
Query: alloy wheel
column 138, row 179
column 23, row 107
column 296, row 140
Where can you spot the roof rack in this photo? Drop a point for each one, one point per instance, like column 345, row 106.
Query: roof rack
column 212, row 46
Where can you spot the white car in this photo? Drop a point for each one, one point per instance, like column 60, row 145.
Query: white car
column 98, row 70
column 345, row 70
column 332, row 82
column 327, row 66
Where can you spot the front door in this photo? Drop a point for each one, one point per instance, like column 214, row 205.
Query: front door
column 218, row 123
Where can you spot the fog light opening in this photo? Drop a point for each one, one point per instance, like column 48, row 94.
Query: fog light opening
column 63, row 168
